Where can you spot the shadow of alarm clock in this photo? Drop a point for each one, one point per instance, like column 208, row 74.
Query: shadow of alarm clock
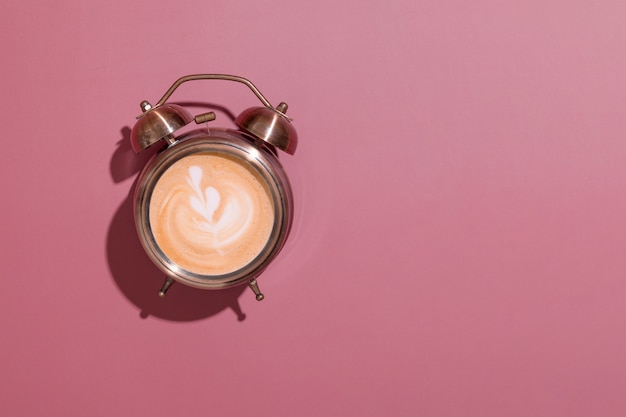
column 214, row 207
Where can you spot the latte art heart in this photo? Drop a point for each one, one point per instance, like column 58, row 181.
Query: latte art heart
column 211, row 214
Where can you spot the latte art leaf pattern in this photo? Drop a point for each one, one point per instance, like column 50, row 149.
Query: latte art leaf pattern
column 211, row 214
column 204, row 204
column 235, row 216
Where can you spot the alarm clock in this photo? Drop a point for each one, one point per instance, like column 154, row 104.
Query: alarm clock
column 213, row 207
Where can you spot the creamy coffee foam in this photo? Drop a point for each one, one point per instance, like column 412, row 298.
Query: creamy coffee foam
column 211, row 214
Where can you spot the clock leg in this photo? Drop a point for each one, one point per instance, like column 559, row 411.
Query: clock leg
column 254, row 286
column 166, row 286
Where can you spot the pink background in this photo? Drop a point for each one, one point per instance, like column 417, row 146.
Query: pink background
column 458, row 247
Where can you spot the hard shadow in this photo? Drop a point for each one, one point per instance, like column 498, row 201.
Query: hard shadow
column 136, row 276
column 125, row 162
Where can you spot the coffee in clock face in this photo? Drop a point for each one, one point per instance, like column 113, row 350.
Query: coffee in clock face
column 211, row 213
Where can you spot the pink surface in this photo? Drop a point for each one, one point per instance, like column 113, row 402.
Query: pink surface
column 458, row 247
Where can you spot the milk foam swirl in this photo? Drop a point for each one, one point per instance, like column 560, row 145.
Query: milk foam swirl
column 235, row 218
column 211, row 214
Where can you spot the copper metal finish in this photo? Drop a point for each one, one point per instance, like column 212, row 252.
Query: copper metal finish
column 271, row 126
column 266, row 123
column 254, row 286
column 226, row 77
column 166, row 286
column 262, row 130
column 236, row 145
column 158, row 123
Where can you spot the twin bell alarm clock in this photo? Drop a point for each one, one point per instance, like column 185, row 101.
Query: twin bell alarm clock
column 213, row 207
